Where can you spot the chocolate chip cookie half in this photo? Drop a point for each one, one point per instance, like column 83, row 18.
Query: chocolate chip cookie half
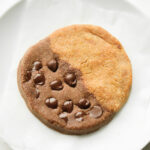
column 76, row 79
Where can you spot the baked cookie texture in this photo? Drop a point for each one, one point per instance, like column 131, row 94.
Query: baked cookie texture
column 76, row 79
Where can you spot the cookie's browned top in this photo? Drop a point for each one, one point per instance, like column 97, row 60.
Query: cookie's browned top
column 106, row 69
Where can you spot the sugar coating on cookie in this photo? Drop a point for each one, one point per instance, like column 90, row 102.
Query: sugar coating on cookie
column 76, row 79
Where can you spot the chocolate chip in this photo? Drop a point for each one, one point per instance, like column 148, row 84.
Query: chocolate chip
column 79, row 114
column 51, row 102
column 68, row 106
column 79, row 119
column 56, row 85
column 63, row 116
column 70, row 79
column 28, row 76
column 96, row 112
column 37, row 65
column 37, row 93
column 39, row 79
column 52, row 65
column 84, row 103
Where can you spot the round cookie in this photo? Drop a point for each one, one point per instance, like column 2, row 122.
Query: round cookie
column 76, row 79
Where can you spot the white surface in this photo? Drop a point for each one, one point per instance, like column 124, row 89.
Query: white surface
column 6, row 4
column 31, row 21
column 143, row 5
column 3, row 145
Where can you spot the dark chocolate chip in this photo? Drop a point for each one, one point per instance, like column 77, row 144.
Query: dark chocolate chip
column 79, row 114
column 51, row 102
column 37, row 93
column 39, row 79
column 63, row 116
column 28, row 76
column 37, row 65
column 79, row 119
column 96, row 112
column 70, row 79
column 56, row 85
column 84, row 103
column 68, row 106
column 52, row 65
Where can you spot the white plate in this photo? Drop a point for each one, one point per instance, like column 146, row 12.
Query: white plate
column 30, row 21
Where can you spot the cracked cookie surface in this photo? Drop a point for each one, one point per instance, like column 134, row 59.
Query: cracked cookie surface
column 76, row 79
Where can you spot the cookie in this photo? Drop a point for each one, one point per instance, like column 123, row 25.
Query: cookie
column 76, row 79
